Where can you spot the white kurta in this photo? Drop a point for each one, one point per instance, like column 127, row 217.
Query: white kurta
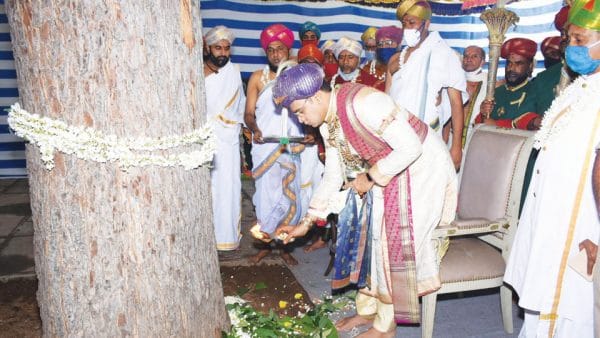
column 225, row 102
column 430, row 70
column 557, row 216
column 433, row 184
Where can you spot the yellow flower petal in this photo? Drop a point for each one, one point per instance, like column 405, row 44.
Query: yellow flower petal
column 298, row 296
column 282, row 304
column 287, row 324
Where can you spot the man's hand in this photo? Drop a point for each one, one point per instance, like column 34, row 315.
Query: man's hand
column 292, row 232
column 308, row 139
column 489, row 121
column 361, row 184
column 456, row 155
column 535, row 124
column 257, row 137
column 591, row 250
column 486, row 108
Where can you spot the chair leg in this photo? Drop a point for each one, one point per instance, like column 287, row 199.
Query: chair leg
column 428, row 309
column 506, row 303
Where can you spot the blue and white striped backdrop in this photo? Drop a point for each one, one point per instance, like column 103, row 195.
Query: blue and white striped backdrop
column 247, row 18
column 12, row 148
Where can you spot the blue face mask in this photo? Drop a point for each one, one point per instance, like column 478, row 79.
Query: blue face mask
column 369, row 55
column 579, row 59
column 385, row 53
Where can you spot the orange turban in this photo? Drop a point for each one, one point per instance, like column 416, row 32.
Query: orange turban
column 312, row 51
column 551, row 42
column 276, row 32
column 521, row 46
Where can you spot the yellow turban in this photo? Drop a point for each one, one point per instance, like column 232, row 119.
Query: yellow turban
column 418, row 8
column 585, row 14
column 368, row 34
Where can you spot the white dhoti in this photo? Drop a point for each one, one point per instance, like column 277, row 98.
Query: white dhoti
column 225, row 102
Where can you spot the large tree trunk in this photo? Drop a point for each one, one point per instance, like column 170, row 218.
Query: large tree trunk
column 118, row 253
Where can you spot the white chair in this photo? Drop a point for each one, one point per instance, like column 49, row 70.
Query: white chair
column 482, row 233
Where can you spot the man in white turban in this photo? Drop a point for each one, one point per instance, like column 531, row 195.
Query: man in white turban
column 225, row 102
column 347, row 52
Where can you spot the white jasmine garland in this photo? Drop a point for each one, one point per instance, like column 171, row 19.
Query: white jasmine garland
column 52, row 135
column 556, row 119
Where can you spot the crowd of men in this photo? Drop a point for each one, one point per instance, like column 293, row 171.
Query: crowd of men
column 374, row 130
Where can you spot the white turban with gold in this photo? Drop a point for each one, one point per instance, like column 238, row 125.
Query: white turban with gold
column 345, row 43
column 217, row 34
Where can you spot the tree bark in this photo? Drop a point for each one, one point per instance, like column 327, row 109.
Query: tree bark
column 118, row 253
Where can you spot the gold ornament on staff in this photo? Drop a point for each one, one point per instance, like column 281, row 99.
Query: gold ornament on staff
column 497, row 20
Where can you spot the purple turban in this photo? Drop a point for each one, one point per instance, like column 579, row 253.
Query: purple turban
column 297, row 83
column 389, row 32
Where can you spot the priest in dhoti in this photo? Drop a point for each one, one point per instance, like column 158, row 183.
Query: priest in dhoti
column 225, row 101
column 403, row 172
column 277, row 168
column 426, row 77
column 559, row 218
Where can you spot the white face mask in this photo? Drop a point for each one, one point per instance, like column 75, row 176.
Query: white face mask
column 349, row 76
column 412, row 37
column 474, row 76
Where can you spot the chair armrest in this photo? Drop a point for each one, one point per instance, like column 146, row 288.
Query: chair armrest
column 473, row 226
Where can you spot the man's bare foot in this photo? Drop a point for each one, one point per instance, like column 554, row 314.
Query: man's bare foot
column 288, row 258
column 348, row 323
column 373, row 333
column 262, row 253
column 319, row 243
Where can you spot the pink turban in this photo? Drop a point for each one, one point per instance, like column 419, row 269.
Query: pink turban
column 276, row 32
column 389, row 32
column 297, row 83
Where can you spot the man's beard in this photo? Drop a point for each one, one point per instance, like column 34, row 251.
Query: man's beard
column 549, row 62
column 516, row 80
column 273, row 68
column 218, row 61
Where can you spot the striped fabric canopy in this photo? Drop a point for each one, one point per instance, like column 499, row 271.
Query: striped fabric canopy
column 248, row 17
column 336, row 19
column 12, row 148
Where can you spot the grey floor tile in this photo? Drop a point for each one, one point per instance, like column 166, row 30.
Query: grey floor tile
column 17, row 256
column 8, row 223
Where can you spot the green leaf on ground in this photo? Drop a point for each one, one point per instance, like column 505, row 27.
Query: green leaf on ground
column 242, row 291
column 260, row 286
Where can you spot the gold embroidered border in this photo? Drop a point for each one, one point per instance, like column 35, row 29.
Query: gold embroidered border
column 552, row 316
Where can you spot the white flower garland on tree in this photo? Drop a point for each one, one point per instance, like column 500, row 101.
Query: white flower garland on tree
column 88, row 144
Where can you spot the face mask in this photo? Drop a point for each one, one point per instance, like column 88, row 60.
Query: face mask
column 369, row 55
column 384, row 54
column 412, row 36
column 474, row 76
column 579, row 59
column 218, row 61
column 349, row 76
column 330, row 69
column 309, row 42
